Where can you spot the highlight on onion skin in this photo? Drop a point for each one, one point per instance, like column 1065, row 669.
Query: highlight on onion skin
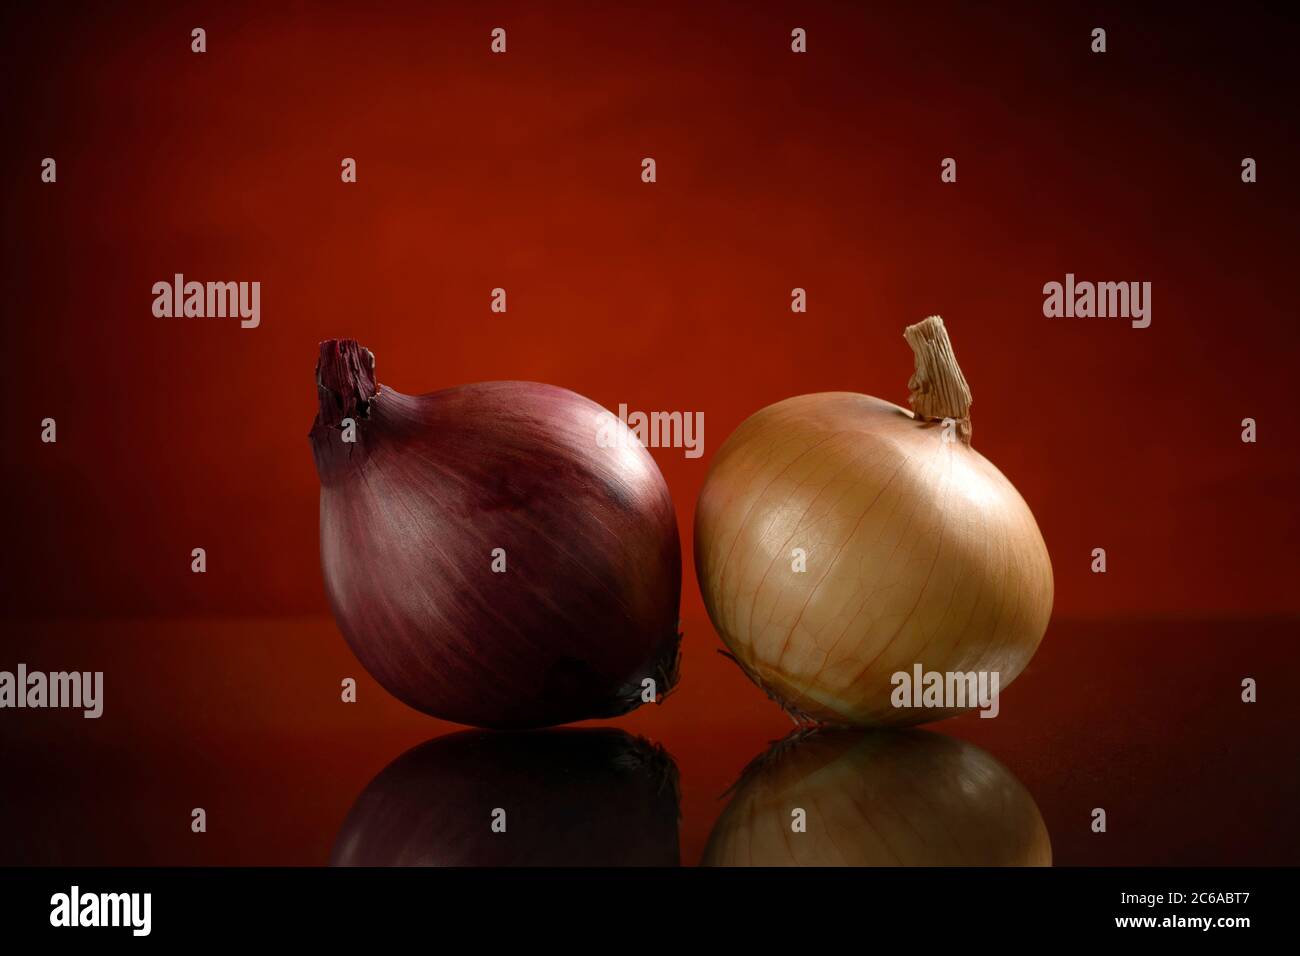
column 571, row 797
column 879, row 798
column 917, row 549
column 438, row 489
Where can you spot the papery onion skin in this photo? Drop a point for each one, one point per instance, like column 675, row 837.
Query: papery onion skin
column 879, row 798
column 918, row 550
column 413, row 510
column 571, row 797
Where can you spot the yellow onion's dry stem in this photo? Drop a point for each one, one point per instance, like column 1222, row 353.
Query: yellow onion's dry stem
column 937, row 389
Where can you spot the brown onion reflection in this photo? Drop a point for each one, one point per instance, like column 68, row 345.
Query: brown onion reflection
column 577, row 797
column 879, row 798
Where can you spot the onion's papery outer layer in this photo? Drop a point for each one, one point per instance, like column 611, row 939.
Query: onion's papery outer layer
column 879, row 798
column 412, row 511
column 574, row 797
column 918, row 551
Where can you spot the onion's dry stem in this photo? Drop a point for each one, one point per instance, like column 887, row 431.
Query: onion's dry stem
column 345, row 381
column 938, row 390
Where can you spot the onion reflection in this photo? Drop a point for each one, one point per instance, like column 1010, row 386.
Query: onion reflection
column 579, row 797
column 881, row 798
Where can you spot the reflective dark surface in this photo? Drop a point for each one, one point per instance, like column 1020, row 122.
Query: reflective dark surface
column 569, row 797
column 880, row 798
column 244, row 719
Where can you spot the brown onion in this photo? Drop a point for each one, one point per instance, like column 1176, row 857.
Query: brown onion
column 488, row 561
column 574, row 797
column 878, row 798
column 914, row 548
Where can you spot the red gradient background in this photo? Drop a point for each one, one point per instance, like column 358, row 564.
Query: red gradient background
column 522, row 171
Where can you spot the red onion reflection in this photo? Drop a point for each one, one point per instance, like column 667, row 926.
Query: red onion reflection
column 572, row 797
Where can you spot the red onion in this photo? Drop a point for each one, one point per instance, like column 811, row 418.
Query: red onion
column 437, row 490
column 574, row 797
